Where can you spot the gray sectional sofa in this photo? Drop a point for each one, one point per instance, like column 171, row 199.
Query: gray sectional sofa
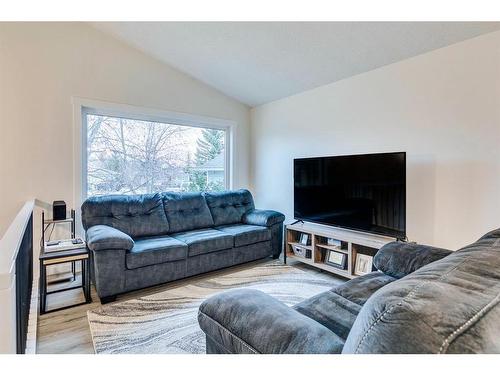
column 421, row 300
column 142, row 240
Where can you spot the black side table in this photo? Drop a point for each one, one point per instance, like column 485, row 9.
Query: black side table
column 64, row 256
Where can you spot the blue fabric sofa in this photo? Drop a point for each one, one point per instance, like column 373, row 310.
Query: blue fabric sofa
column 138, row 241
column 421, row 300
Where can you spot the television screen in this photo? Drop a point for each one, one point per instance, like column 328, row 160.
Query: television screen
column 360, row 192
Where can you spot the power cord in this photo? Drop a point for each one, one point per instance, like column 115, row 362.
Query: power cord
column 45, row 230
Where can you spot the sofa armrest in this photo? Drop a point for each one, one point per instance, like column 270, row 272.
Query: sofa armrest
column 103, row 237
column 249, row 321
column 265, row 218
column 398, row 259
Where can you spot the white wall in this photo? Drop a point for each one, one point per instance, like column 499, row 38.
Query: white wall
column 442, row 108
column 42, row 66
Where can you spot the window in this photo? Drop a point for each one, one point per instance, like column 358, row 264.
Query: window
column 131, row 156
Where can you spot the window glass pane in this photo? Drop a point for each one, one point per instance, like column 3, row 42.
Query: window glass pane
column 126, row 156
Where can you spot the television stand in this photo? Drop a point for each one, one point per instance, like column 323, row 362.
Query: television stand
column 297, row 222
column 349, row 244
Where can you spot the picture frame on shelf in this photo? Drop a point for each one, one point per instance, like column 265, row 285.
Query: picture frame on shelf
column 336, row 259
column 304, row 239
column 363, row 265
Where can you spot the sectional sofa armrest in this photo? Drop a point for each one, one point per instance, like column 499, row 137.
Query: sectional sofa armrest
column 398, row 259
column 249, row 321
column 103, row 237
column 265, row 218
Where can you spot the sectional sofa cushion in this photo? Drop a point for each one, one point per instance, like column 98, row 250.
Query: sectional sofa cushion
column 226, row 318
column 186, row 211
column 249, row 321
column 155, row 250
column 245, row 234
column 399, row 259
column 202, row 241
column 449, row 306
column 331, row 310
column 229, row 207
column 136, row 215
column 361, row 288
column 338, row 308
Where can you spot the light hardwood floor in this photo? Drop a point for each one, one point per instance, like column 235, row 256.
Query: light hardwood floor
column 67, row 331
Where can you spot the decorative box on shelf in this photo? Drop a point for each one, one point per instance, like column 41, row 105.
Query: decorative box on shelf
column 301, row 251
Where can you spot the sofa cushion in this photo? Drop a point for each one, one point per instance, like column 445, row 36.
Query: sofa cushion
column 449, row 306
column 228, row 207
column 399, row 259
column 103, row 237
column 249, row 321
column 361, row 288
column 331, row 310
column 155, row 250
column 135, row 215
column 203, row 241
column 266, row 218
column 246, row 234
column 338, row 308
column 186, row 211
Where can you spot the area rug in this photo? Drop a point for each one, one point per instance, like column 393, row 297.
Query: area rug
column 166, row 322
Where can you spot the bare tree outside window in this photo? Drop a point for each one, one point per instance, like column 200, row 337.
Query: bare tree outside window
column 127, row 156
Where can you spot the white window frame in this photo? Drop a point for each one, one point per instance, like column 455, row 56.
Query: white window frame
column 83, row 107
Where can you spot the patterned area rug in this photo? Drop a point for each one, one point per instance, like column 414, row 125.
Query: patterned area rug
column 166, row 322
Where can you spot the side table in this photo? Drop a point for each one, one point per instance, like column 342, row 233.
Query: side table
column 64, row 256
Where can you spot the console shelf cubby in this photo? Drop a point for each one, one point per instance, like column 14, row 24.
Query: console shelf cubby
column 352, row 243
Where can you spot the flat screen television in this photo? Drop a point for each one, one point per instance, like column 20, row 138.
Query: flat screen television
column 361, row 192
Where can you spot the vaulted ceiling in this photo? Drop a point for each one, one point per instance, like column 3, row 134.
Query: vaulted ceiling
column 258, row 62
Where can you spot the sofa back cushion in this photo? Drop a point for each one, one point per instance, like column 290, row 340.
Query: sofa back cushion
column 135, row 215
column 228, row 207
column 186, row 211
column 449, row 306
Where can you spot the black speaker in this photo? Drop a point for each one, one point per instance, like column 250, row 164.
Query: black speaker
column 59, row 210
